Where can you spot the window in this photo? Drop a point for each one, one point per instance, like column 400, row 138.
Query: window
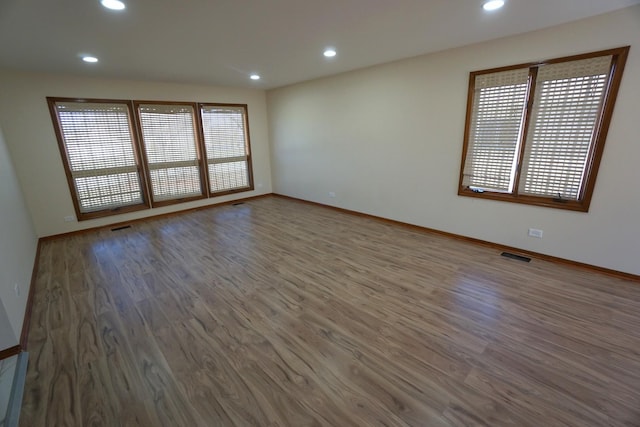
column 185, row 151
column 171, row 151
column 225, row 130
column 101, row 158
column 535, row 132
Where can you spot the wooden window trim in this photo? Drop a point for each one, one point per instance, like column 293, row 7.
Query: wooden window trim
column 141, row 159
column 81, row 216
column 250, row 187
column 199, row 151
column 619, row 57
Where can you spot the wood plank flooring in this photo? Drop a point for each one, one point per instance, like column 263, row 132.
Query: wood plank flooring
column 279, row 313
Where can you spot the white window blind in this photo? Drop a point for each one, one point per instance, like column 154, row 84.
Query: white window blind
column 496, row 125
column 567, row 105
column 100, row 154
column 226, row 145
column 169, row 137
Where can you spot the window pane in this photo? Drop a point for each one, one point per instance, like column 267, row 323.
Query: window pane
column 227, row 176
column 169, row 183
column 496, row 126
column 108, row 191
column 567, row 105
column 225, row 137
column 168, row 133
column 100, row 154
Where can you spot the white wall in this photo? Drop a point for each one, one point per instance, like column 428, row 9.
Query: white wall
column 7, row 372
column 388, row 140
column 31, row 140
column 17, row 252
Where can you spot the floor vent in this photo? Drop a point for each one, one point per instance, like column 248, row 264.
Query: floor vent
column 514, row 256
column 239, row 203
column 121, row 228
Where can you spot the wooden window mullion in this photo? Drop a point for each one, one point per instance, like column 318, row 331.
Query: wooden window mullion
column 533, row 73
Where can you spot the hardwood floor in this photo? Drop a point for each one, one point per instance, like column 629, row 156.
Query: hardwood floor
column 278, row 313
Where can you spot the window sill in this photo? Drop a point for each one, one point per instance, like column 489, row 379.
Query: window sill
column 111, row 212
column 547, row 202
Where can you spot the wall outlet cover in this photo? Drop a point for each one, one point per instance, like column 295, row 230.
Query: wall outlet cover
column 534, row 232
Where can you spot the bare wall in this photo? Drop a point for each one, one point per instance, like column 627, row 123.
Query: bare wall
column 388, row 140
column 31, row 140
column 17, row 252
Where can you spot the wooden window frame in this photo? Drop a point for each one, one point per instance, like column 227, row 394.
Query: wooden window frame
column 141, row 159
column 619, row 56
column 81, row 216
column 199, row 152
column 250, row 187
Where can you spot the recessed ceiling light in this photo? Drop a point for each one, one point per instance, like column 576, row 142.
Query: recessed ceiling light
column 254, row 77
column 330, row 53
column 113, row 4
column 89, row 59
column 493, row 5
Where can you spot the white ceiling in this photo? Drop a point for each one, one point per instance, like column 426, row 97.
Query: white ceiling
column 221, row 42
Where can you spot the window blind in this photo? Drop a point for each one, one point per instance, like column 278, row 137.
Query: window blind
column 100, row 154
column 226, row 146
column 497, row 116
column 169, row 137
column 566, row 109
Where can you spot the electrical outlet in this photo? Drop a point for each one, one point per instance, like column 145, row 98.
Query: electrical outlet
column 332, row 194
column 534, row 232
column 69, row 218
column 17, row 289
